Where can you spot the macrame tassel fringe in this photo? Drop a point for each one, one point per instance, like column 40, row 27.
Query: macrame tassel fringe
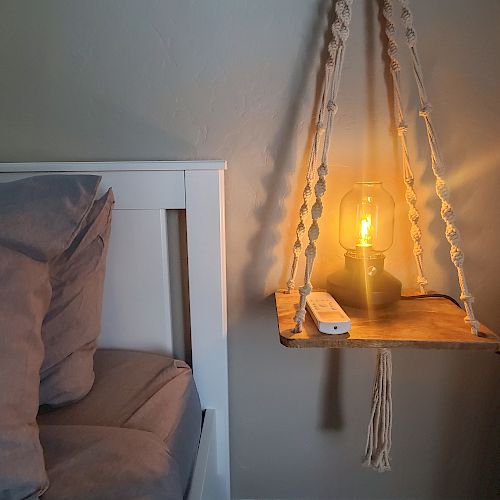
column 378, row 442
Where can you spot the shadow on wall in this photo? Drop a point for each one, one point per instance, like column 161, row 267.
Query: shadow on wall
column 277, row 184
column 331, row 410
column 472, row 403
column 372, row 24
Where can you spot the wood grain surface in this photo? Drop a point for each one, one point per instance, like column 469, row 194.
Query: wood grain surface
column 428, row 323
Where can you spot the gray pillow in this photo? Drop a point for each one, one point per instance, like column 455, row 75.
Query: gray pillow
column 73, row 322
column 39, row 217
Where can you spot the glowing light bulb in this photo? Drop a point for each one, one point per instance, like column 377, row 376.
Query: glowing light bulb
column 366, row 219
column 365, row 232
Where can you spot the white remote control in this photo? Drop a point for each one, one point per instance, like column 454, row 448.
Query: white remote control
column 327, row 314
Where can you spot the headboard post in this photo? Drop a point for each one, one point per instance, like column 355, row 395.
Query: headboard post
column 207, row 302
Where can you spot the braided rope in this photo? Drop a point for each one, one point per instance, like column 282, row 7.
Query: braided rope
column 447, row 213
column 340, row 30
column 319, row 134
column 402, row 129
column 306, row 194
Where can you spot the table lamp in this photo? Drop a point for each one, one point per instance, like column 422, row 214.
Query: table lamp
column 366, row 231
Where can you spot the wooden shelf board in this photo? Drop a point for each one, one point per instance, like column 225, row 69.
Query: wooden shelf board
column 430, row 323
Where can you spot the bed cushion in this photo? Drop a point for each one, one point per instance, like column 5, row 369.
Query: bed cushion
column 142, row 391
column 73, row 322
column 38, row 218
column 24, row 299
column 94, row 463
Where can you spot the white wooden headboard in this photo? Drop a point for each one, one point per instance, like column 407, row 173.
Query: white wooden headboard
column 142, row 298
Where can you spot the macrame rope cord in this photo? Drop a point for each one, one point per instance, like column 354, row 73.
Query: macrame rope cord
column 306, row 194
column 319, row 135
column 402, row 129
column 447, row 213
column 340, row 30
column 379, row 440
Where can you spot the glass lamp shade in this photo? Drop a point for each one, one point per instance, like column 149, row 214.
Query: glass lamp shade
column 367, row 218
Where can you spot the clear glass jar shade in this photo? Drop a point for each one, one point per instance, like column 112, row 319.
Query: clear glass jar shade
column 367, row 218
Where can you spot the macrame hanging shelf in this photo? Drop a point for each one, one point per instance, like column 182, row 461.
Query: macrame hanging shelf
column 432, row 323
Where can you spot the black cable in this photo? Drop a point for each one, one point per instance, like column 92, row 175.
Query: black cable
column 431, row 295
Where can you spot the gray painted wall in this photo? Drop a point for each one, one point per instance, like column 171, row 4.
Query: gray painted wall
column 236, row 79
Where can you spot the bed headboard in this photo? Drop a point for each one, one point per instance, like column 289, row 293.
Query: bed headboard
column 168, row 229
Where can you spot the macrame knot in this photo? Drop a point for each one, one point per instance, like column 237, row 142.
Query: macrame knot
column 305, row 289
column 447, row 213
column 413, row 215
column 297, row 247
column 467, row 297
column 320, row 187
column 402, row 129
column 320, row 127
column 299, row 318
column 437, row 167
column 307, row 190
column 422, row 281
column 425, row 110
column 344, row 34
column 395, row 66
column 417, row 249
column 406, row 15
column 452, row 234
column 301, row 229
column 442, row 189
column 410, row 196
column 336, row 28
column 310, row 251
column 332, row 106
column 323, row 170
column 332, row 47
column 343, row 11
column 474, row 325
column 390, row 32
column 416, row 233
column 313, row 235
column 411, row 37
column 346, row 11
column 457, row 256
column 304, row 210
column 392, row 48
